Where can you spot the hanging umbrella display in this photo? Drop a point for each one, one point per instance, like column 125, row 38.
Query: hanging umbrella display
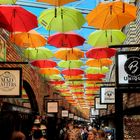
column 30, row 39
column 72, row 72
column 49, row 71
column 7, row 1
column 65, row 40
column 95, row 76
column 56, row 82
column 99, row 62
column 37, row 53
column 74, row 82
column 43, row 63
column 76, row 86
column 56, row 2
column 17, row 19
column 70, row 64
column 53, row 77
column 97, row 70
column 99, row 53
column 112, row 15
column 69, row 54
column 106, row 38
column 61, row 19
column 73, row 77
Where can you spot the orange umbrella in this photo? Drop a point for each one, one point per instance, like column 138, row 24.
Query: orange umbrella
column 69, row 54
column 30, row 39
column 73, row 77
column 56, row 2
column 49, row 71
column 99, row 62
column 112, row 15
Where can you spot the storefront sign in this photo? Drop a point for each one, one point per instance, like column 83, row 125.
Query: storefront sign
column 94, row 112
column 98, row 104
column 107, row 95
column 52, row 107
column 71, row 115
column 128, row 68
column 10, row 82
column 65, row 113
column 75, row 117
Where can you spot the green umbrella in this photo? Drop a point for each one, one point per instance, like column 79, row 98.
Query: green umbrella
column 70, row 64
column 96, row 70
column 8, row 1
column 61, row 19
column 77, row 90
column 106, row 37
column 53, row 77
column 37, row 53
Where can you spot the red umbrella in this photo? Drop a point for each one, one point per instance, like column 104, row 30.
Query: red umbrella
column 92, row 88
column 44, row 63
column 56, row 82
column 95, row 76
column 76, row 86
column 66, row 40
column 72, row 72
column 99, row 53
column 78, row 93
column 15, row 18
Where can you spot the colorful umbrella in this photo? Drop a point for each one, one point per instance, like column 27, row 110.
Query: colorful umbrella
column 56, row 2
column 61, row 19
column 43, row 63
column 8, row 1
column 30, row 39
column 99, row 53
column 73, row 77
column 69, row 54
column 99, row 62
column 37, row 53
column 56, row 82
column 70, row 64
column 112, row 15
column 65, row 40
column 95, row 76
column 49, row 71
column 76, row 86
column 72, row 72
column 106, row 37
column 53, row 77
column 97, row 70
column 17, row 19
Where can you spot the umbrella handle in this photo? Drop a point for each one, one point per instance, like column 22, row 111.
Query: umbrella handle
column 55, row 12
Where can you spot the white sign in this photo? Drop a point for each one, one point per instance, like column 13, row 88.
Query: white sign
column 94, row 112
column 52, row 107
column 71, row 115
column 75, row 117
column 107, row 95
column 128, row 64
column 10, row 82
column 65, row 113
column 98, row 105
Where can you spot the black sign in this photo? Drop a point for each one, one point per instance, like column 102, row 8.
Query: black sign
column 128, row 68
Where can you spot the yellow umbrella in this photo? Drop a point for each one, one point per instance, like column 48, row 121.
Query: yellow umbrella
column 73, row 77
column 49, row 71
column 69, row 54
column 30, row 39
column 99, row 62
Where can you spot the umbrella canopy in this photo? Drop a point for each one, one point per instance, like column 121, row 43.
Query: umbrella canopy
column 69, row 54
column 97, row 70
column 95, row 76
column 73, row 77
column 49, row 71
column 43, row 63
column 99, row 53
column 8, row 1
column 17, row 19
column 106, row 37
column 72, row 72
column 56, row 82
column 112, row 15
column 37, row 53
column 56, row 2
column 99, row 62
column 70, row 64
column 61, row 19
column 65, row 40
column 30, row 39
column 53, row 77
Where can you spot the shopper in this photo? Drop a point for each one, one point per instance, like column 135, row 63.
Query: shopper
column 100, row 135
column 92, row 135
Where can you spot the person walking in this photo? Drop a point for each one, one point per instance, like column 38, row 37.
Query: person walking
column 92, row 135
column 18, row 135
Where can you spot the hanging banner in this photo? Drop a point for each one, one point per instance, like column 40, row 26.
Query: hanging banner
column 128, row 69
column 98, row 104
column 52, row 107
column 71, row 115
column 10, row 82
column 107, row 94
column 65, row 113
